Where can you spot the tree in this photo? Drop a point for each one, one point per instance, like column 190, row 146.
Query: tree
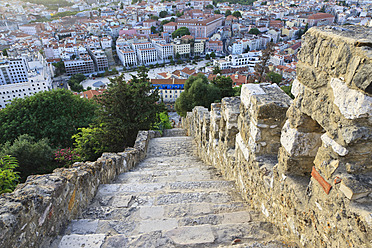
column 274, row 77
column 237, row 14
column 127, row 107
column 209, row 6
column 254, row 31
column 154, row 17
column 247, row 49
column 9, row 178
column 34, row 157
column 60, row 68
column 178, row 56
column 225, row 86
column 180, row 32
column 178, row 14
column 216, row 70
column 121, row 5
column 55, row 115
column 163, row 14
column 322, row 10
column 227, row 12
column 198, row 92
column 217, row 11
column 207, row 56
column 262, row 68
column 89, row 143
column 5, row 52
column 75, row 81
column 153, row 30
column 213, row 55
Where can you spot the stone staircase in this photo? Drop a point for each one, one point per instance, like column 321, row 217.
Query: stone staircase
column 171, row 199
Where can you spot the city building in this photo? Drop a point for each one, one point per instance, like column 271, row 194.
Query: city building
column 169, row 89
column 13, row 71
column 202, row 28
column 99, row 59
column 83, row 65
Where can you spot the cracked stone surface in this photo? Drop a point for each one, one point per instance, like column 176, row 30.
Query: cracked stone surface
column 171, row 199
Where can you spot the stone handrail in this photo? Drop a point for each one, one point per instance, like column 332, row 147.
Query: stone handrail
column 40, row 208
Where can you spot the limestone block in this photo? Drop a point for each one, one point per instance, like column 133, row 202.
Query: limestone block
column 352, row 104
column 230, row 111
column 297, row 143
column 354, row 188
column 243, row 148
column 249, row 90
column 337, row 148
column 297, row 88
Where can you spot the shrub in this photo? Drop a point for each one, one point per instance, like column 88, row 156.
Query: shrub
column 89, row 144
column 164, row 123
column 34, row 157
column 67, row 156
column 8, row 177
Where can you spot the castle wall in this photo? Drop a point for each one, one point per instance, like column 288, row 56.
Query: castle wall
column 305, row 164
column 39, row 209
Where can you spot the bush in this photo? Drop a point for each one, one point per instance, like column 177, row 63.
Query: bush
column 89, row 144
column 66, row 157
column 8, row 177
column 34, row 157
column 164, row 123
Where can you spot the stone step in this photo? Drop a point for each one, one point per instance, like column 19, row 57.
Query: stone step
column 152, row 188
column 174, row 132
column 171, row 236
column 165, row 211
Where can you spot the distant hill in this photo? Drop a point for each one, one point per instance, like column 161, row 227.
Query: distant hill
column 51, row 4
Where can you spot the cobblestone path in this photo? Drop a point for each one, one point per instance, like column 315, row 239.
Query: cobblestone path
column 171, row 199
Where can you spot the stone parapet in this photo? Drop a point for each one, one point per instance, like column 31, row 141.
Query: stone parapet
column 40, row 208
column 305, row 164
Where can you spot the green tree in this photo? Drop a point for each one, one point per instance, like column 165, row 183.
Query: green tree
column 227, row 12
column 180, row 32
column 198, row 92
column 216, row 70
column 60, row 68
column 75, row 81
column 5, row 52
column 89, row 142
column 209, row 6
column 55, row 115
column 178, row 14
column 274, row 77
column 163, row 14
column 237, row 14
column 254, row 31
column 217, row 11
column 213, row 55
column 153, row 30
column 247, row 49
column 121, row 5
column 163, row 123
column 154, row 17
column 9, row 178
column 178, row 56
column 127, row 107
column 207, row 56
column 34, row 157
column 225, row 86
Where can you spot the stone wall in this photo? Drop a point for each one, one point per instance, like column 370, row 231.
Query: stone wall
column 306, row 164
column 42, row 206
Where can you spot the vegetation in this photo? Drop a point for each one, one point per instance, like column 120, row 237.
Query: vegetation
column 89, row 143
column 224, row 84
column 75, row 81
column 287, row 90
column 254, row 31
column 237, row 14
column 163, row 14
column 9, row 178
column 163, row 123
column 217, row 11
column 209, row 6
column 180, row 32
column 198, row 92
column 227, row 12
column 55, row 115
column 66, row 157
column 60, row 68
column 128, row 108
column 242, row 2
column 274, row 77
column 34, row 157
column 5, row 52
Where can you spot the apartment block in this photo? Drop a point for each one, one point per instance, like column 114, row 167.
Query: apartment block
column 164, row 50
column 99, row 59
column 127, row 55
column 202, row 28
column 13, row 71
column 83, row 65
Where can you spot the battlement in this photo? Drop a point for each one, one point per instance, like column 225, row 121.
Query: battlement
column 306, row 164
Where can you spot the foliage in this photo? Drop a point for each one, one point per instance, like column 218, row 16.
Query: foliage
column 213, row 55
column 217, row 11
column 51, row 4
column 180, row 32
column 8, row 177
column 75, row 81
column 225, row 86
column 5, row 52
column 178, row 14
column 227, row 12
column 254, row 31
column 262, row 68
column 89, row 143
column 237, row 14
column 243, row 2
column 163, row 14
column 34, row 157
column 110, row 72
column 60, row 68
column 153, row 30
column 287, row 90
column 55, row 115
column 209, row 6
column 216, row 70
column 237, row 90
column 67, row 156
column 207, row 56
column 274, row 77
column 164, row 122
column 127, row 108
column 154, row 17
column 197, row 92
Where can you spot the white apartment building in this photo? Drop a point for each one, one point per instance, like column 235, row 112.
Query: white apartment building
column 13, row 71
column 164, row 50
column 83, row 65
column 106, row 42
column 237, row 48
column 99, row 59
column 198, row 48
column 248, row 60
column 181, row 49
column 127, row 56
column 147, row 56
